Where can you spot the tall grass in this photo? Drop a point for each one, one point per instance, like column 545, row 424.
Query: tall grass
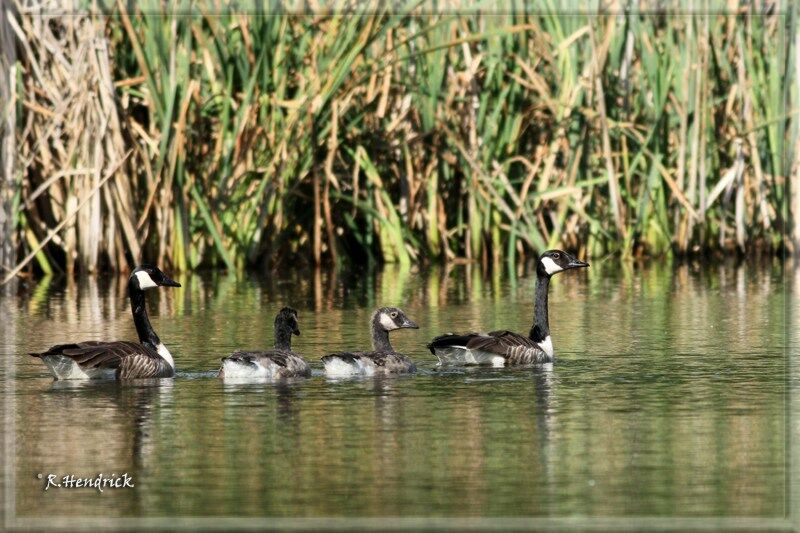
column 396, row 136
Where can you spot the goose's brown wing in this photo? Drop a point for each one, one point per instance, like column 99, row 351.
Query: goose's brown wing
column 279, row 357
column 293, row 363
column 348, row 357
column 99, row 354
column 390, row 362
column 394, row 362
column 144, row 365
column 497, row 342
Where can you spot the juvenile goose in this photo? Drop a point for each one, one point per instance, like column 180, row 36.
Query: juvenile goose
column 148, row 358
column 499, row 348
column 280, row 362
column 383, row 359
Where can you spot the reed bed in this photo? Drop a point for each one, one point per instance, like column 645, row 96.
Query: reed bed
column 249, row 140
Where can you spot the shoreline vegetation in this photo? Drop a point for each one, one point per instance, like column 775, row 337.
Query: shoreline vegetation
column 217, row 139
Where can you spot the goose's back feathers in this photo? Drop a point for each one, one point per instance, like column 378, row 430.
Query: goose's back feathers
column 497, row 348
column 367, row 363
column 270, row 364
column 141, row 365
column 90, row 359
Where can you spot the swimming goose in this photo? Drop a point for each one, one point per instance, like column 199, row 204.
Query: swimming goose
column 383, row 359
column 148, row 358
column 500, row 348
column 281, row 362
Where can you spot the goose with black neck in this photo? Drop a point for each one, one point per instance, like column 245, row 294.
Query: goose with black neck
column 279, row 363
column 148, row 358
column 383, row 359
column 503, row 347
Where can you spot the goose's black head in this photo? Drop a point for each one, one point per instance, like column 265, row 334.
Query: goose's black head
column 146, row 277
column 554, row 261
column 287, row 318
column 391, row 318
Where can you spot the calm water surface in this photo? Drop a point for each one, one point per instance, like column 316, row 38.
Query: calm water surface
column 668, row 397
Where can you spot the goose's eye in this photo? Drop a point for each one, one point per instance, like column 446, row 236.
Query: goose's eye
column 393, row 314
column 556, row 255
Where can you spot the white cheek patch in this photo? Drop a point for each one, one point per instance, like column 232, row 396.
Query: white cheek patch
column 387, row 322
column 145, row 281
column 550, row 266
column 547, row 346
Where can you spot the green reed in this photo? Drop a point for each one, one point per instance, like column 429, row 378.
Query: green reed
column 404, row 137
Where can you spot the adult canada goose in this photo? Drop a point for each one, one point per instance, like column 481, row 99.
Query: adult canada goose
column 383, row 359
column 499, row 348
column 148, row 358
column 281, row 362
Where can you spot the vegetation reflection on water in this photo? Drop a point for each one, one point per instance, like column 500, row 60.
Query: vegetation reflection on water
column 667, row 398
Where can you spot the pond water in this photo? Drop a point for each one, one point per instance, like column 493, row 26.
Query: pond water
column 668, row 397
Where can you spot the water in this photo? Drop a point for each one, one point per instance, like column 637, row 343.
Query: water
column 668, row 398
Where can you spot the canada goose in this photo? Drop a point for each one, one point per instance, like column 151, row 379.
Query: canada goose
column 499, row 348
column 280, row 362
column 148, row 358
column 383, row 359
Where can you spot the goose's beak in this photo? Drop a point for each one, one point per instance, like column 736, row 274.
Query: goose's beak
column 577, row 263
column 296, row 331
column 166, row 282
column 409, row 324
